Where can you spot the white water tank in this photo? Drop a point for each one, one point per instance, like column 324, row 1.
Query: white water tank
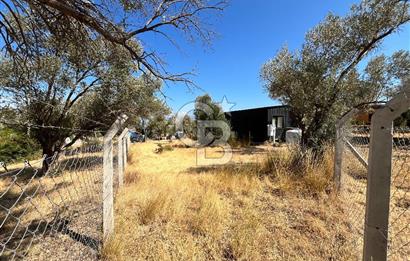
column 293, row 136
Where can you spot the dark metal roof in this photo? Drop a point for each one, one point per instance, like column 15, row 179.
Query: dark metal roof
column 263, row 108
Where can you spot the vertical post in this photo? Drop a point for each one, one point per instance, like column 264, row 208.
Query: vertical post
column 339, row 147
column 126, row 148
column 379, row 176
column 122, row 154
column 108, row 172
column 378, row 189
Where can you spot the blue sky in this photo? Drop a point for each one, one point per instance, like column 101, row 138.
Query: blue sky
column 250, row 33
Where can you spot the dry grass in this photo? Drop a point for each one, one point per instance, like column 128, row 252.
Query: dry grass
column 256, row 208
column 71, row 188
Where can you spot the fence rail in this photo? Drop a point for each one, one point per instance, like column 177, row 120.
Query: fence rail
column 58, row 213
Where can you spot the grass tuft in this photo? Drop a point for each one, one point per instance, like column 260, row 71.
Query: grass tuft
column 131, row 177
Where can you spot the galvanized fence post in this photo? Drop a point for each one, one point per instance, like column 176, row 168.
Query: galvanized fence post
column 122, row 155
column 108, row 173
column 379, row 177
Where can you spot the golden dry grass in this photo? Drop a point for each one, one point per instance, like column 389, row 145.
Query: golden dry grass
column 252, row 209
column 30, row 203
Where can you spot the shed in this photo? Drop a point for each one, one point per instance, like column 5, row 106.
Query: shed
column 251, row 124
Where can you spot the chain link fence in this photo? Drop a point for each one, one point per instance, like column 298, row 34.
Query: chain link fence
column 372, row 169
column 57, row 207
column 355, row 142
column 399, row 219
column 53, row 213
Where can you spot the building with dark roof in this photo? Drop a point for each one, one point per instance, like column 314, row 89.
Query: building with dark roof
column 252, row 124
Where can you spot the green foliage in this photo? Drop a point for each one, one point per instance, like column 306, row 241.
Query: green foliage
column 403, row 120
column 78, row 90
column 208, row 110
column 321, row 81
column 16, row 145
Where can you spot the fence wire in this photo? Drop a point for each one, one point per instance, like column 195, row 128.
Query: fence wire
column 399, row 216
column 353, row 192
column 56, row 214
column 356, row 140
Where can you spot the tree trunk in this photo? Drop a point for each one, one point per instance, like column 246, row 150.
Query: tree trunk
column 50, row 149
column 48, row 152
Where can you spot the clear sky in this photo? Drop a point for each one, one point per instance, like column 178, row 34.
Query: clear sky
column 250, row 33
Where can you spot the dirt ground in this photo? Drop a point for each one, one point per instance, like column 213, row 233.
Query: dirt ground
column 57, row 216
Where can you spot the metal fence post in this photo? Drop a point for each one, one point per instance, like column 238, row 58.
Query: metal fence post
column 108, row 173
column 122, row 154
column 379, row 177
column 339, row 147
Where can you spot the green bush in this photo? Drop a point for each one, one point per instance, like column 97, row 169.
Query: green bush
column 16, row 145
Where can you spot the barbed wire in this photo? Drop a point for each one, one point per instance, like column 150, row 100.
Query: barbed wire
column 30, row 125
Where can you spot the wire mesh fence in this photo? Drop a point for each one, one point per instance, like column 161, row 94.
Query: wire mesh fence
column 356, row 141
column 399, row 219
column 356, row 146
column 55, row 212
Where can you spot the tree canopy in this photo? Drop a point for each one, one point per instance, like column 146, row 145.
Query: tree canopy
column 207, row 110
column 322, row 80
column 71, row 67
column 118, row 22
column 68, row 91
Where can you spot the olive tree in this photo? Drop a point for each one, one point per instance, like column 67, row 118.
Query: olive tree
column 322, row 80
column 208, row 110
column 120, row 22
column 70, row 91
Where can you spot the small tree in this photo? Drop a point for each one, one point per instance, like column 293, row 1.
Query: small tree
column 321, row 80
column 208, row 110
column 190, row 128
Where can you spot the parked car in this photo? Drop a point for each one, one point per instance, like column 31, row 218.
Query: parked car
column 136, row 137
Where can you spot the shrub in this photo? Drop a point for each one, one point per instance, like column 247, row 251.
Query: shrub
column 161, row 148
column 296, row 169
column 292, row 169
column 16, row 145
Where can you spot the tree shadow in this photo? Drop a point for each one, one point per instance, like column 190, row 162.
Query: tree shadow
column 252, row 150
column 19, row 243
column 19, row 203
column 80, row 164
column 57, row 167
column 227, row 168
